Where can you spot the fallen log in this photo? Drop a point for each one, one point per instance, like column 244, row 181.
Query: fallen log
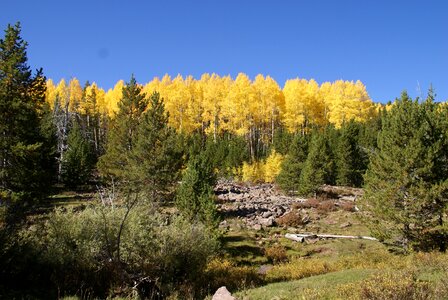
column 298, row 237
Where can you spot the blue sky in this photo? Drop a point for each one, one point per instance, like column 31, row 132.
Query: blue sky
column 389, row 45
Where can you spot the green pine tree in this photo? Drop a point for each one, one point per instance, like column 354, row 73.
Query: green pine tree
column 319, row 167
column 292, row 166
column 351, row 162
column 156, row 157
column 26, row 149
column 78, row 159
column 122, row 136
column 195, row 197
column 406, row 185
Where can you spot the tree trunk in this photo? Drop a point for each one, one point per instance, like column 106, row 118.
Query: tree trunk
column 301, row 237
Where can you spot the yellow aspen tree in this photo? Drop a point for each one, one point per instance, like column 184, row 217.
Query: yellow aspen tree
column 271, row 105
column 324, row 96
column 194, row 107
column 215, row 91
column 75, row 94
column 336, row 102
column 365, row 106
column 112, row 97
column 50, row 93
column 63, row 92
column 252, row 172
column 152, row 86
column 164, row 86
column 294, row 91
column 348, row 100
column 238, row 109
column 313, row 105
column 272, row 166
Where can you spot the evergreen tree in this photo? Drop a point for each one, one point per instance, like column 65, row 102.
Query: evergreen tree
column 78, row 161
column 26, row 151
column 368, row 133
column 350, row 161
column 156, row 157
column 292, row 166
column 283, row 140
column 237, row 153
column 406, row 190
column 195, row 197
column 319, row 167
column 122, row 135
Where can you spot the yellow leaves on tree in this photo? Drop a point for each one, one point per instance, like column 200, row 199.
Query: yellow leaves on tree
column 272, row 166
column 214, row 90
column 239, row 106
column 215, row 104
column 303, row 105
column 348, row 100
column 112, row 97
column 269, row 104
column 263, row 171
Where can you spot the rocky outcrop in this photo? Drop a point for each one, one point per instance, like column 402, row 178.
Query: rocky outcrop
column 258, row 206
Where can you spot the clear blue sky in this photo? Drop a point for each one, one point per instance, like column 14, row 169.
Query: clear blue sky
column 389, row 45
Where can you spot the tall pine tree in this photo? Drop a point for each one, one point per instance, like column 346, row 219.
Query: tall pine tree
column 406, row 185
column 351, row 161
column 319, row 167
column 142, row 152
column 78, row 160
column 292, row 166
column 195, row 197
column 26, row 150
column 156, row 158
column 122, row 135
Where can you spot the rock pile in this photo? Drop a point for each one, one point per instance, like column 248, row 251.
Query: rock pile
column 257, row 206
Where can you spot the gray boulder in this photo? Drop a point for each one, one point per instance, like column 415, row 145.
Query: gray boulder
column 223, row 294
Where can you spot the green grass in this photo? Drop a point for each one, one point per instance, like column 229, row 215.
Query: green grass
column 243, row 248
column 294, row 289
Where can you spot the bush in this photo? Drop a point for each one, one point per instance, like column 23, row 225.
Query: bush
column 309, row 203
column 327, row 206
column 276, row 253
column 292, row 219
column 102, row 249
column 253, row 172
column 348, row 206
column 272, row 166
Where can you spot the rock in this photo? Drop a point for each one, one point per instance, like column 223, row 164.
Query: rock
column 347, row 198
column 223, row 294
column 266, row 214
column 267, row 222
column 256, row 227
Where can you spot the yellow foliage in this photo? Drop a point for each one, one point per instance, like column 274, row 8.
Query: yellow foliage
column 50, row 95
column 112, row 97
column 272, row 166
column 253, row 172
column 262, row 171
column 347, row 100
column 215, row 104
column 75, row 94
